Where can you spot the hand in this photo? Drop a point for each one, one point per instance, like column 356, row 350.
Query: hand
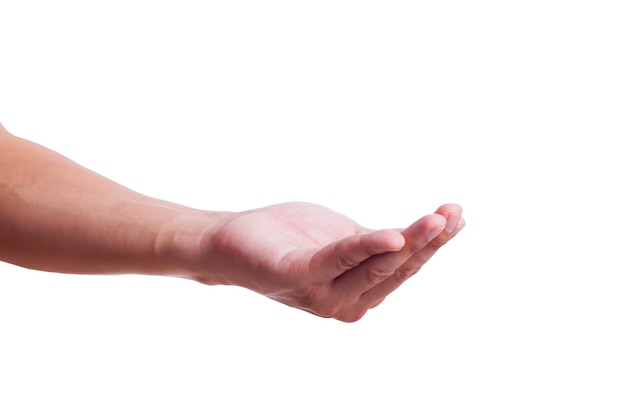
column 72, row 220
column 312, row 258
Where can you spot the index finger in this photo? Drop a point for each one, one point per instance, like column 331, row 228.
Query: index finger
column 355, row 282
column 338, row 257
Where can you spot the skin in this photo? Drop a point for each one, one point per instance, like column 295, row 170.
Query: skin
column 59, row 216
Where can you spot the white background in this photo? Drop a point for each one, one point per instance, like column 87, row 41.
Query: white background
column 379, row 110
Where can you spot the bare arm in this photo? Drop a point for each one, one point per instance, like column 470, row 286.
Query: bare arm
column 56, row 215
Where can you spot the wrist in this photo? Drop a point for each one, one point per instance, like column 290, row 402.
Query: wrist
column 183, row 243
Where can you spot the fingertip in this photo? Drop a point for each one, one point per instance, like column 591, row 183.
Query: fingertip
column 438, row 220
column 449, row 209
column 460, row 225
column 452, row 222
column 431, row 226
column 389, row 239
column 452, row 212
column 437, row 227
column 434, row 232
column 396, row 240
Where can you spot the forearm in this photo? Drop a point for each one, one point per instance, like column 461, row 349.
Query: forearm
column 56, row 215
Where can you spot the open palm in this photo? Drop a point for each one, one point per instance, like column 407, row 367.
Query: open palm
column 312, row 258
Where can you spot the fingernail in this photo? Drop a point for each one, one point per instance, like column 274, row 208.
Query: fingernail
column 434, row 233
column 451, row 223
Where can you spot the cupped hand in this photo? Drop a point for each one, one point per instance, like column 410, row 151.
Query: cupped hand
column 312, row 258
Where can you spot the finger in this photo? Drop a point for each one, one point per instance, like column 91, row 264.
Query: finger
column 452, row 213
column 410, row 267
column 336, row 258
column 356, row 281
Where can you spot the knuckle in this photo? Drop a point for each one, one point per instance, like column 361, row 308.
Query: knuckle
column 346, row 263
column 404, row 273
column 377, row 275
column 438, row 242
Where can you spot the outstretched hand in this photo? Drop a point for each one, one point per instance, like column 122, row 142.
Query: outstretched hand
column 312, row 258
column 58, row 216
